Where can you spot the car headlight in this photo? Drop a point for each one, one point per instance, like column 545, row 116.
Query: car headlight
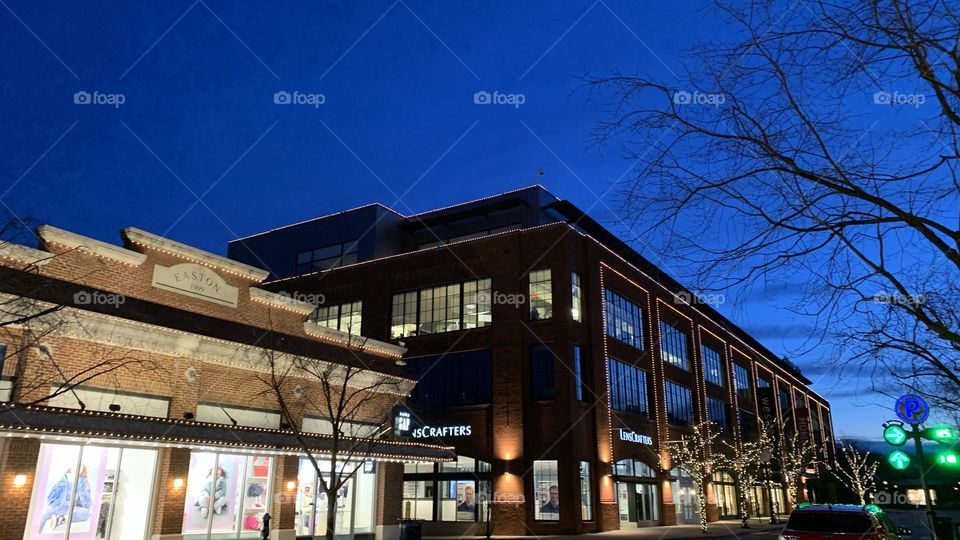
column 788, row 537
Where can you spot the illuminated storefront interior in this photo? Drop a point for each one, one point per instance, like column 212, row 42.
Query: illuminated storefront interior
column 227, row 495
column 451, row 491
column 638, row 498
column 356, row 500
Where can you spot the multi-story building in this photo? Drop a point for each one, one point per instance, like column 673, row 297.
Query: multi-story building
column 553, row 357
column 135, row 400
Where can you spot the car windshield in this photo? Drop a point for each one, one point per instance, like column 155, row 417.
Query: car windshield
column 830, row 522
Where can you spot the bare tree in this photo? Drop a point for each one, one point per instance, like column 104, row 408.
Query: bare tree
column 743, row 460
column 856, row 471
column 351, row 399
column 814, row 146
column 694, row 455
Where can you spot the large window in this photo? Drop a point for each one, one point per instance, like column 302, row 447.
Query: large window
column 679, row 404
column 624, row 319
column 227, row 495
column 785, row 403
column 712, row 365
column 345, row 317
column 461, row 378
column 546, row 491
column 445, row 308
column 717, row 412
column 354, row 507
column 748, row 425
column 576, row 298
column 741, row 382
column 673, row 344
column 541, row 294
column 578, row 373
column 586, row 494
column 628, row 387
column 541, row 373
column 326, row 257
column 85, row 492
column 455, row 491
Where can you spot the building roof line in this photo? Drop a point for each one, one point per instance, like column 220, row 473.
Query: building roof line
column 311, row 220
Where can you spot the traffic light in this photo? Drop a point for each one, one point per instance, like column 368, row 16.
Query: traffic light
column 895, row 435
column 948, row 458
column 941, row 434
column 899, row 460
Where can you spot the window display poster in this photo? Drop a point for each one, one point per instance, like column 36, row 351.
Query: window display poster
column 212, row 492
column 466, row 500
column 64, row 481
column 548, row 500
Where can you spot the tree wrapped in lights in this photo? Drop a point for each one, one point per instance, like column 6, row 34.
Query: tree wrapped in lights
column 742, row 459
column 692, row 453
column 795, row 453
column 856, row 471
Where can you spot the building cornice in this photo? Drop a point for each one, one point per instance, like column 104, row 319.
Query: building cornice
column 165, row 245
column 280, row 301
column 110, row 330
column 354, row 341
column 54, row 236
column 17, row 252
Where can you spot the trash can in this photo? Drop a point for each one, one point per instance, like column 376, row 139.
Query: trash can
column 944, row 528
column 411, row 529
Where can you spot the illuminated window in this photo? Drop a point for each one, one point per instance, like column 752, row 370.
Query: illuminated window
column 712, row 366
column 445, row 308
column 546, row 491
column 345, row 317
column 586, row 493
column 673, row 343
column 624, row 319
column 541, row 295
column 576, row 298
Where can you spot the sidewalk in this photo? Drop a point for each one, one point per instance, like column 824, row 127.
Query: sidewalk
column 717, row 529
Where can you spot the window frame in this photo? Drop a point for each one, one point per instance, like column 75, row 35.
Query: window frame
column 576, row 298
column 408, row 308
column 542, row 293
column 624, row 319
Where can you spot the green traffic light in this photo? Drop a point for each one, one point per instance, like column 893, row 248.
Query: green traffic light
column 895, row 435
column 949, row 459
column 899, row 460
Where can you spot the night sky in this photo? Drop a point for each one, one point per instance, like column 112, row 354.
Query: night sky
column 177, row 130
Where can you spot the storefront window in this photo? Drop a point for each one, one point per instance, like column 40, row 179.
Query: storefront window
column 546, row 491
column 638, row 498
column 91, row 492
column 354, row 507
column 685, row 497
column 726, row 491
column 586, row 497
column 227, row 495
column 453, row 491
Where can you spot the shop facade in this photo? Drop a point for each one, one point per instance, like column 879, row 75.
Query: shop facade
column 135, row 404
column 572, row 359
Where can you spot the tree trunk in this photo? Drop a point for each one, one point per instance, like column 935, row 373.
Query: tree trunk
column 331, row 510
column 702, row 496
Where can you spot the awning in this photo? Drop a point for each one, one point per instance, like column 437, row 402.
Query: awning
column 38, row 420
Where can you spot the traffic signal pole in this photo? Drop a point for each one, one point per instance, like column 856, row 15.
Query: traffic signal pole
column 918, row 444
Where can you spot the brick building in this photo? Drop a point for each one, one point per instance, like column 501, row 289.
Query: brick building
column 134, row 404
column 553, row 357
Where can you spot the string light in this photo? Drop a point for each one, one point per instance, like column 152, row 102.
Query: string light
column 182, row 251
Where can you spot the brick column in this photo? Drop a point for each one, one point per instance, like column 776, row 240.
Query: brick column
column 18, row 456
column 283, row 509
column 389, row 500
column 168, row 519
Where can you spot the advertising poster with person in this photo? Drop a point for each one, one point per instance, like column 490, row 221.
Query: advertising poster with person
column 68, row 489
column 466, row 501
column 548, row 501
column 212, row 493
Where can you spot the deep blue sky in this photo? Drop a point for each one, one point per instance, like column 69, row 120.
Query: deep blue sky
column 398, row 121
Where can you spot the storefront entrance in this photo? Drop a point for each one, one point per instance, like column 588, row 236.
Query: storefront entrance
column 638, row 499
column 87, row 492
column 227, row 495
column 356, row 501
column 685, row 498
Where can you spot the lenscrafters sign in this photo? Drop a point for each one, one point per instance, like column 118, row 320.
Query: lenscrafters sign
column 405, row 426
